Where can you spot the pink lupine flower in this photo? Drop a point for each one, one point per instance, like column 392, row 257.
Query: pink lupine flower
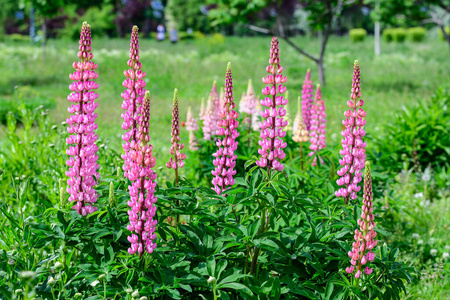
column 362, row 248
column 272, row 128
column 317, row 126
column 225, row 159
column 249, row 106
column 81, row 127
column 353, row 151
column 208, row 120
column 176, row 161
column 191, row 122
column 132, row 98
column 142, row 190
column 300, row 134
column 307, row 99
column 212, row 114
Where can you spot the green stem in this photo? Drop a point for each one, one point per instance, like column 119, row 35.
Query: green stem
column 104, row 288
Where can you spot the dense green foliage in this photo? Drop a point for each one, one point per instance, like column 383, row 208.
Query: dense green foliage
column 416, row 34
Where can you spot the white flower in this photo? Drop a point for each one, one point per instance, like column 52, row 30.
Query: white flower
column 445, row 255
column 433, row 252
column 420, row 242
column 418, row 195
column 94, row 283
column 415, row 235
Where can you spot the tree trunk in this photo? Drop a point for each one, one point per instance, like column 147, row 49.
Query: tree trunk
column 321, row 72
column 377, row 38
column 44, row 39
column 446, row 36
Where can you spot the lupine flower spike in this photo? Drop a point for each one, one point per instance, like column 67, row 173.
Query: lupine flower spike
column 81, row 127
column 132, row 98
column 208, row 120
column 142, row 191
column 202, row 110
column 242, row 103
column 353, row 146
column 307, row 99
column 251, row 105
column 225, row 159
column 287, row 117
column 191, row 123
column 272, row 128
column 362, row 248
column 318, row 126
column 176, row 159
column 300, row 134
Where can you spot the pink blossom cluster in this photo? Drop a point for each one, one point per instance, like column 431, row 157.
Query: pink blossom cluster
column 317, row 125
column 211, row 116
column 225, row 159
column 307, row 99
column 81, row 127
column 176, row 161
column 142, row 198
column 362, row 247
column 132, row 98
column 272, row 128
column 191, row 122
column 353, row 151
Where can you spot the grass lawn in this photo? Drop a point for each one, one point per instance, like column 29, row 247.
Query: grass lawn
column 402, row 74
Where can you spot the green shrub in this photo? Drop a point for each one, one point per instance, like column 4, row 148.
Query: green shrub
column 417, row 136
column 441, row 35
column 416, row 34
column 357, row 34
column 387, row 34
column 399, row 35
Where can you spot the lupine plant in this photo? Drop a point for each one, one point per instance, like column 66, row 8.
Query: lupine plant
column 362, row 248
column 142, row 191
column 225, row 158
column 318, row 126
column 300, row 134
column 353, row 147
column 191, row 127
column 81, row 125
column 256, row 235
column 132, row 99
column 307, row 99
column 177, row 158
column 272, row 128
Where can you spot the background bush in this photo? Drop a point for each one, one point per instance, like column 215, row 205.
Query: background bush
column 417, row 136
column 416, row 34
column 399, row 35
column 357, row 34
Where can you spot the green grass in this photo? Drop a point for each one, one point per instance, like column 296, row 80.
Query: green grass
column 404, row 73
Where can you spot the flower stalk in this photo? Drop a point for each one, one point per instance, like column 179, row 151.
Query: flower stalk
column 83, row 161
column 225, row 159
column 353, row 146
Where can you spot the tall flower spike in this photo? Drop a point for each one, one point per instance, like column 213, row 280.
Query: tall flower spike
column 362, row 248
column 193, row 145
column 191, row 123
column 307, row 99
column 132, row 98
column 208, row 120
column 272, row 128
column 300, row 134
column 81, row 127
column 202, row 110
column 225, row 159
column 142, row 191
column 176, row 161
column 318, row 126
column 242, row 103
column 353, row 146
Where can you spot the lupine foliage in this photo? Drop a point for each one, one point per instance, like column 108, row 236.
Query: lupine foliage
column 279, row 232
